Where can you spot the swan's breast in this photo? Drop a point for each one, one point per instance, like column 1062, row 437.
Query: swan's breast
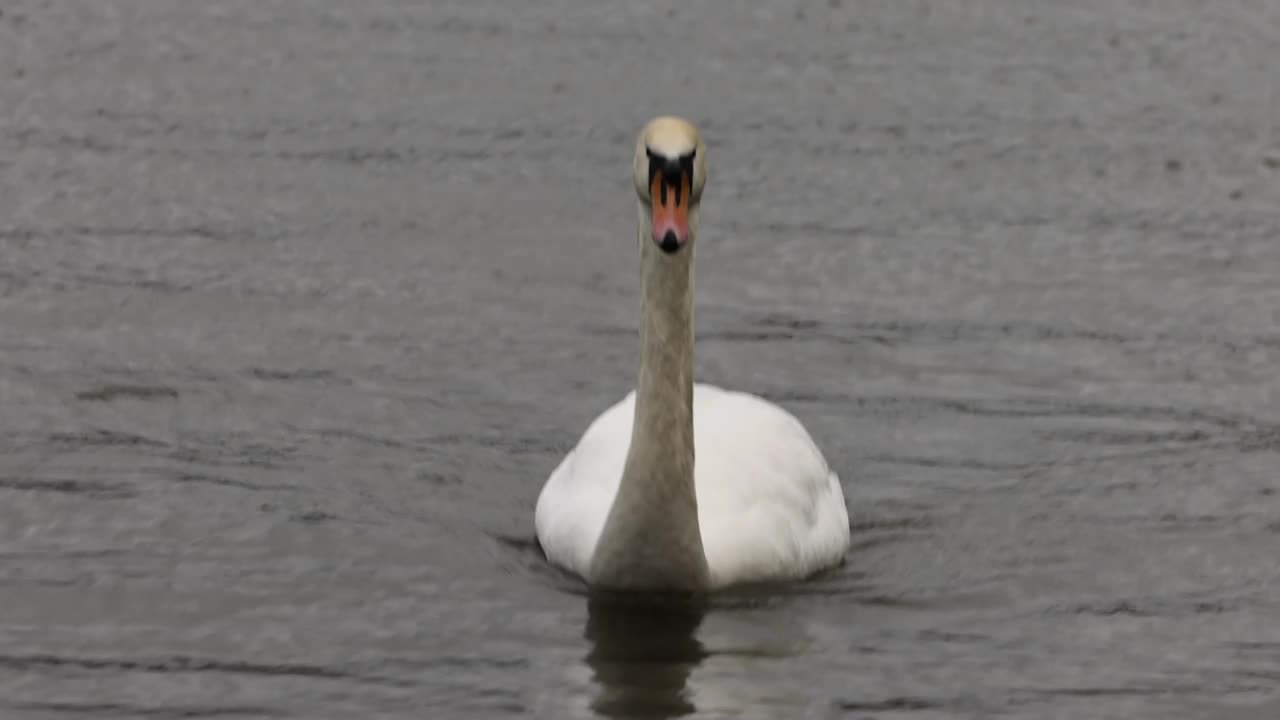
column 769, row 507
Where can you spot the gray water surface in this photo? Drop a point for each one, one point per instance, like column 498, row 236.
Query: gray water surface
column 301, row 302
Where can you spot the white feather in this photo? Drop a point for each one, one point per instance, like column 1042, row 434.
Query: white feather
column 769, row 508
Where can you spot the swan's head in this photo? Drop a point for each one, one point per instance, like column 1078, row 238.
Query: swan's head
column 669, row 170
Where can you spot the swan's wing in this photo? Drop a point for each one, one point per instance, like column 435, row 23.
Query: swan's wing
column 576, row 499
column 769, row 507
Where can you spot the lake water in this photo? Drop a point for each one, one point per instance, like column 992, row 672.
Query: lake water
column 301, row 302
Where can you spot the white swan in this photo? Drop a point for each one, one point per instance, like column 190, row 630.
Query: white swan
column 629, row 508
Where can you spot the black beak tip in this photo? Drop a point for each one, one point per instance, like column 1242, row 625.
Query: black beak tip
column 670, row 243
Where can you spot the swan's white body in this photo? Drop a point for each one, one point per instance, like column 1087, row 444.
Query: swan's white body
column 682, row 486
column 769, row 508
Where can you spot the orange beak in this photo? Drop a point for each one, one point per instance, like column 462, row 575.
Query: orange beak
column 670, row 210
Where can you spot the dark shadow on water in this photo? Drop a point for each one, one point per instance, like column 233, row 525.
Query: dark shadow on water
column 643, row 649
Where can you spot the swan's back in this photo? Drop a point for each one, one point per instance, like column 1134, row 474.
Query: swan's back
column 769, row 508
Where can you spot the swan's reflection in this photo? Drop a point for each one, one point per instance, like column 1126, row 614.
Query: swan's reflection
column 642, row 652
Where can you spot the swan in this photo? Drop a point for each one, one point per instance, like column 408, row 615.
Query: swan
column 630, row 508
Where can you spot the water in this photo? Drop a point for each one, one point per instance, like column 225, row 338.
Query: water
column 301, row 302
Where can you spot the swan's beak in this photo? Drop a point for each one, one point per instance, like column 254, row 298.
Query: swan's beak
column 669, row 193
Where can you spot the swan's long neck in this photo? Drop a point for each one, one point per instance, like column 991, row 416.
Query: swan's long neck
column 651, row 538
